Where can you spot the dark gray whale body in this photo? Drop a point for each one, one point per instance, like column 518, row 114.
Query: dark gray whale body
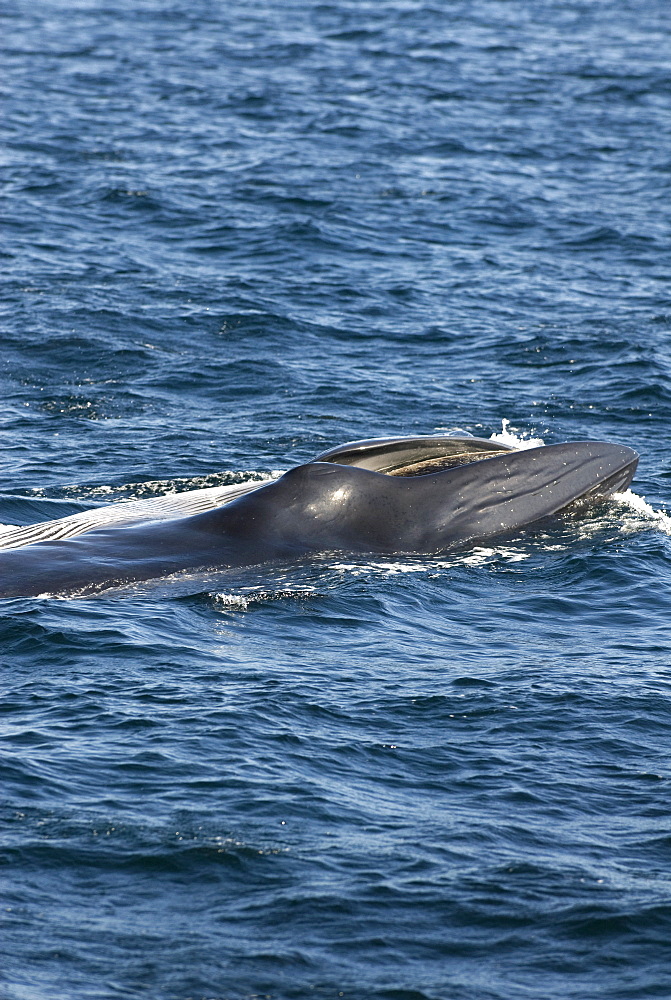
column 396, row 495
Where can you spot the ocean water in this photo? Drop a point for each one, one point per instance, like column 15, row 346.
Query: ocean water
column 234, row 235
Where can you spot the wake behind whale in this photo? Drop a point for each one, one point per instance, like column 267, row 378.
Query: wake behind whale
column 422, row 495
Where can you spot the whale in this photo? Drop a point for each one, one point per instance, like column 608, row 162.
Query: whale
column 412, row 495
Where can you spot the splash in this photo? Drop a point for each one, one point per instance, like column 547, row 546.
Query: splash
column 509, row 435
column 641, row 515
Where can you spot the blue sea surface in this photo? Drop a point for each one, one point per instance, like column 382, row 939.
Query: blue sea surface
column 236, row 234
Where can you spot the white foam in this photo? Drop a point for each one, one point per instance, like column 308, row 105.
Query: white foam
column 256, row 595
column 509, row 435
column 641, row 514
column 478, row 556
column 233, row 600
column 387, row 569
